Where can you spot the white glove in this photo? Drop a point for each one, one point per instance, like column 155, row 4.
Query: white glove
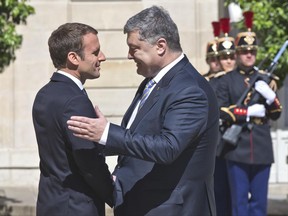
column 264, row 89
column 256, row 110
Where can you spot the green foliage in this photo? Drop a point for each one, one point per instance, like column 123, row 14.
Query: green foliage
column 270, row 24
column 12, row 13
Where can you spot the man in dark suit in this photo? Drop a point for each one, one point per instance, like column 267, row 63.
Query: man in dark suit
column 74, row 178
column 167, row 146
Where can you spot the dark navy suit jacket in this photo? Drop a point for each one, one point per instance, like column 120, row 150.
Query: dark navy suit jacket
column 168, row 154
column 74, row 178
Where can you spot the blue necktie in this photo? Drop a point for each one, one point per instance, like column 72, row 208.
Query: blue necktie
column 146, row 91
column 84, row 91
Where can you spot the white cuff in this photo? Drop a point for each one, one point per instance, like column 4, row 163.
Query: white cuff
column 270, row 101
column 104, row 136
column 247, row 118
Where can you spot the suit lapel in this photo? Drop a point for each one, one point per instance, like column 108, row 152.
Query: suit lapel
column 131, row 108
column 149, row 103
column 156, row 92
column 152, row 99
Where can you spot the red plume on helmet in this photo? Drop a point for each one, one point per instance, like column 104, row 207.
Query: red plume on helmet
column 248, row 16
column 225, row 25
column 216, row 29
column 247, row 40
column 212, row 48
column 226, row 43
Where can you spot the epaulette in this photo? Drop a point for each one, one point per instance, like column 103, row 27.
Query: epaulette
column 205, row 74
column 209, row 76
column 262, row 72
column 219, row 74
column 273, row 76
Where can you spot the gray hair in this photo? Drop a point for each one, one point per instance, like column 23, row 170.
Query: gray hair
column 154, row 23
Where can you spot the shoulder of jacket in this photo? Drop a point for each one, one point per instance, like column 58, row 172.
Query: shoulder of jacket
column 220, row 74
column 273, row 76
column 262, row 72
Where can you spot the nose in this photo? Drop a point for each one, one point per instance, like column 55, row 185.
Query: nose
column 101, row 56
column 130, row 56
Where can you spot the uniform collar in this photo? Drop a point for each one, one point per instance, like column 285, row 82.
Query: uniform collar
column 246, row 72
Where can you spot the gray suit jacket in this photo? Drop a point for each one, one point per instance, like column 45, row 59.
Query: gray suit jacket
column 168, row 154
column 74, row 178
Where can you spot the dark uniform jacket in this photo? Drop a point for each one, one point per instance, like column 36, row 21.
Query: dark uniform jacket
column 255, row 144
column 215, row 81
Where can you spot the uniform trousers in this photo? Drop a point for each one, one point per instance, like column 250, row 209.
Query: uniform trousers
column 248, row 188
column 221, row 188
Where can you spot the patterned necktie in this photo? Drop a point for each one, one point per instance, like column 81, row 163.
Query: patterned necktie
column 146, row 91
column 84, row 91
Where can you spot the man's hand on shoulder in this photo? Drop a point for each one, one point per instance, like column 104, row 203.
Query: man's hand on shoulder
column 88, row 128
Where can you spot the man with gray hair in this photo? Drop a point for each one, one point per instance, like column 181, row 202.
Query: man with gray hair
column 167, row 141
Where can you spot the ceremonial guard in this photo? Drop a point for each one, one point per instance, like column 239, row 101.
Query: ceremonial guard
column 212, row 53
column 225, row 52
column 250, row 153
column 226, row 56
column 226, row 47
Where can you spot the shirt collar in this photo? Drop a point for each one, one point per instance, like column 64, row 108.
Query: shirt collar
column 74, row 79
column 164, row 70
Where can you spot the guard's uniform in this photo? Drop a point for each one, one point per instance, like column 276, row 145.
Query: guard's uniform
column 249, row 161
column 221, row 185
column 254, row 145
column 226, row 48
column 212, row 53
column 215, row 80
column 209, row 75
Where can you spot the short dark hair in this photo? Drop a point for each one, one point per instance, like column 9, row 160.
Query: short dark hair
column 67, row 38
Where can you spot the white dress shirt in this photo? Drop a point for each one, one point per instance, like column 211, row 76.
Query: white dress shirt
column 74, row 79
column 157, row 78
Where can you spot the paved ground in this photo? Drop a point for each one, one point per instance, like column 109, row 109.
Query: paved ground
column 21, row 201
column 278, row 200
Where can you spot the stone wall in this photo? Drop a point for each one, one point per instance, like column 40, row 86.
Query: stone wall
column 113, row 91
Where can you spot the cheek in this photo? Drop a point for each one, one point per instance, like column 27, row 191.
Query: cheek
column 90, row 59
column 93, row 60
column 242, row 58
column 144, row 57
column 223, row 62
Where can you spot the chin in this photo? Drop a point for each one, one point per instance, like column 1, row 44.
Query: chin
column 138, row 71
column 95, row 76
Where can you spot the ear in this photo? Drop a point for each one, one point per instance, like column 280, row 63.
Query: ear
column 161, row 46
column 73, row 58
